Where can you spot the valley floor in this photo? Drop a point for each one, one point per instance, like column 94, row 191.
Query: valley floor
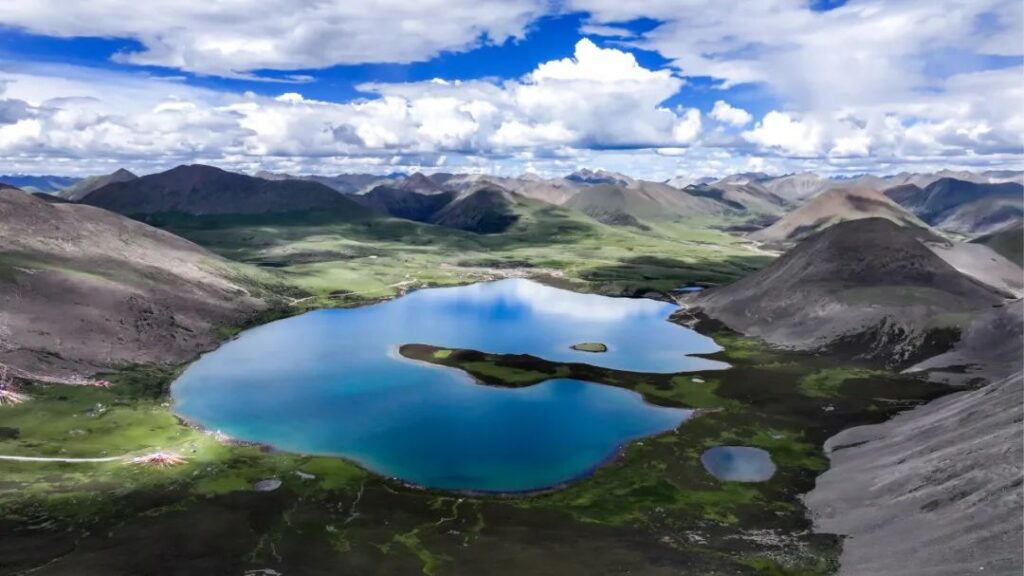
column 338, row 263
column 652, row 511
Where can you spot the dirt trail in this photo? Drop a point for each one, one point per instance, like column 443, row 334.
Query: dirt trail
column 47, row 459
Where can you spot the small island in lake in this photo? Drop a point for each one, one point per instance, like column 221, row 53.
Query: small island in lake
column 590, row 347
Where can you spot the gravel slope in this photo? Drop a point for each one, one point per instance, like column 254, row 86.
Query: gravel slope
column 935, row 491
column 82, row 289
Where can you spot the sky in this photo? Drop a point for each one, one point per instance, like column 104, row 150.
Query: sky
column 651, row 88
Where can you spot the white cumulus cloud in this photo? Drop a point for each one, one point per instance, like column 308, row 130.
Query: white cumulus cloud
column 727, row 114
column 238, row 36
column 598, row 98
column 781, row 131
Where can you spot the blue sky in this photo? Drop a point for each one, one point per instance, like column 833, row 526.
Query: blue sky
column 548, row 38
column 659, row 88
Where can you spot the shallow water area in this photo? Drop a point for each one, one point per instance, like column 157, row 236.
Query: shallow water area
column 738, row 464
column 331, row 382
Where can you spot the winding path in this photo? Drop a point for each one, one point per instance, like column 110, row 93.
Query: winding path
column 45, row 459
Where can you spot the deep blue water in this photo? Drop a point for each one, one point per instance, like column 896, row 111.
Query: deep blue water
column 738, row 463
column 331, row 382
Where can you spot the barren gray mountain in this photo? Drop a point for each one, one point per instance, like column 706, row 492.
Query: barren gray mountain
column 85, row 289
column 869, row 285
column 1007, row 241
column 932, row 492
column 85, row 186
column 798, row 187
column 981, row 263
column 837, row 205
column 592, row 177
column 744, row 197
column 551, row 190
column 417, row 182
column 640, row 201
column 962, row 206
column 947, row 472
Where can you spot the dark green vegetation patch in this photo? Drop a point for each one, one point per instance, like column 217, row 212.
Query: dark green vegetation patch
column 590, row 347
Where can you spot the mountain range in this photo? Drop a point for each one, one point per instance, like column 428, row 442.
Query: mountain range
column 956, row 202
column 48, row 184
column 963, row 206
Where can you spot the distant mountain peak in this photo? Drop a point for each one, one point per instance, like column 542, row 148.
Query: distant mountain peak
column 200, row 190
column 599, row 176
column 418, row 182
column 832, row 207
column 86, row 186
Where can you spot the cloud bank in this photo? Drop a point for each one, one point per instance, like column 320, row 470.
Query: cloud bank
column 871, row 85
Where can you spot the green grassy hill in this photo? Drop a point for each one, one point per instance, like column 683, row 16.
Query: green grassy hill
column 339, row 261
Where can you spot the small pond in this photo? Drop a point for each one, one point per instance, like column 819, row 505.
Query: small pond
column 331, row 382
column 738, row 464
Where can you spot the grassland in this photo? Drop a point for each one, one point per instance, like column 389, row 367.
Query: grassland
column 341, row 262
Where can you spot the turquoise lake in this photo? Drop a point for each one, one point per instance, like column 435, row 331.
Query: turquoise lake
column 331, row 382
